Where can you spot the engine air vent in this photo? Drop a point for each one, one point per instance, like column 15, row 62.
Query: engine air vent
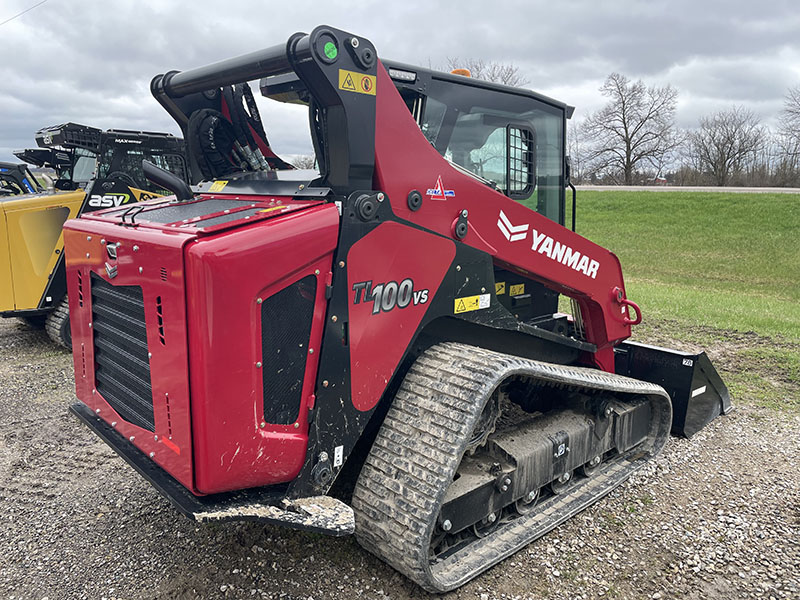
column 122, row 364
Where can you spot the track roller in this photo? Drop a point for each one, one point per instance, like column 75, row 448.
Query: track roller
column 561, row 483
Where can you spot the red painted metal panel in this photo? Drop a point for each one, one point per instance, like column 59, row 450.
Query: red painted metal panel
column 390, row 254
column 160, row 258
column 225, row 275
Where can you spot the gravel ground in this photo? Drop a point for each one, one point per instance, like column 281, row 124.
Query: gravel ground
column 717, row 516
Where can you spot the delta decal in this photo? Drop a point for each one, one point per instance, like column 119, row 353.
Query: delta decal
column 439, row 193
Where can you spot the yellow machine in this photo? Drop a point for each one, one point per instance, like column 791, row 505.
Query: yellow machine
column 30, row 229
column 32, row 280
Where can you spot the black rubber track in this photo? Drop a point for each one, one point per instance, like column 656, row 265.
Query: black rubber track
column 57, row 325
column 419, row 447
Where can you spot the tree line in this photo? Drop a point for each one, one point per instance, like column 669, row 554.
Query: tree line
column 633, row 140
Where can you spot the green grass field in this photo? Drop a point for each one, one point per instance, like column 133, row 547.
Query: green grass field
column 716, row 270
column 729, row 261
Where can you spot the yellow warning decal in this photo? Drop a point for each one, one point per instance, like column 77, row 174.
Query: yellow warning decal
column 517, row 290
column 218, row 186
column 471, row 303
column 350, row 81
column 271, row 208
column 141, row 195
column 500, row 287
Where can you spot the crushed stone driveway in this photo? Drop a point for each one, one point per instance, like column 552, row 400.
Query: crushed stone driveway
column 714, row 517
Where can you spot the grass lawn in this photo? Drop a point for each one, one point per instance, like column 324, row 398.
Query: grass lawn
column 729, row 261
column 716, row 271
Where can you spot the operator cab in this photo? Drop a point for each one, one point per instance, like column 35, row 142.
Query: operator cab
column 512, row 137
column 80, row 154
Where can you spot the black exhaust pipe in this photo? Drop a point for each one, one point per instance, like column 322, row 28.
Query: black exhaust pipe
column 168, row 181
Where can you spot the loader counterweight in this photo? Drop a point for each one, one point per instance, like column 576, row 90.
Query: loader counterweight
column 227, row 433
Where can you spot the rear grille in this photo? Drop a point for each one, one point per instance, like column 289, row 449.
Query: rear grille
column 122, row 367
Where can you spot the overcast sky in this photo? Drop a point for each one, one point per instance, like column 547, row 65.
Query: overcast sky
column 91, row 61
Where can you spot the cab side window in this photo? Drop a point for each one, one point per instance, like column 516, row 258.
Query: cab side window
column 506, row 158
column 513, row 141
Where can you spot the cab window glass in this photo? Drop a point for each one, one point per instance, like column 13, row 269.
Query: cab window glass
column 489, row 160
column 125, row 162
column 514, row 141
column 83, row 171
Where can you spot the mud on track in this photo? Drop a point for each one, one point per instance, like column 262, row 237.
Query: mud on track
column 715, row 517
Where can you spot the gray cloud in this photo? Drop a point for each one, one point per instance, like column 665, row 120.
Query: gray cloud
column 91, row 61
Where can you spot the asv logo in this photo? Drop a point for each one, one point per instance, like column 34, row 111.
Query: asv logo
column 387, row 296
column 513, row 233
column 108, row 200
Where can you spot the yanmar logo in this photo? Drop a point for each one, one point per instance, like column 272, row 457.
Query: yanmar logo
column 513, row 233
column 544, row 244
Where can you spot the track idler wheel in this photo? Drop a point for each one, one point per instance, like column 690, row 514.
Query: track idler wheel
column 590, row 467
column 527, row 503
column 560, row 483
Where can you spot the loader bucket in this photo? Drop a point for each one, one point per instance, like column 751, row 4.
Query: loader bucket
column 696, row 389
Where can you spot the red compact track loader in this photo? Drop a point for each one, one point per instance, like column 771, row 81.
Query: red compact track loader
column 375, row 347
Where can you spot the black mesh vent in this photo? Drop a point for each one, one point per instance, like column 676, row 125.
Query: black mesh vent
column 285, row 332
column 250, row 212
column 122, row 367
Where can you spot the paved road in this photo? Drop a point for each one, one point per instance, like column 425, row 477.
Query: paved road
column 676, row 188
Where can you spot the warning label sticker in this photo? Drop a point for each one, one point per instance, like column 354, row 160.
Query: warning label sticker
column 500, row 287
column 218, row 186
column 350, row 81
column 471, row 303
column 517, row 290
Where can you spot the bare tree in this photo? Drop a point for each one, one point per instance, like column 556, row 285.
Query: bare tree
column 634, row 130
column 788, row 138
column 791, row 108
column 727, row 142
column 576, row 149
column 506, row 74
column 303, row 161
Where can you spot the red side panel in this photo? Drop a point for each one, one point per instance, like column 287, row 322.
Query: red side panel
column 226, row 274
column 160, row 258
column 383, row 320
column 406, row 161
